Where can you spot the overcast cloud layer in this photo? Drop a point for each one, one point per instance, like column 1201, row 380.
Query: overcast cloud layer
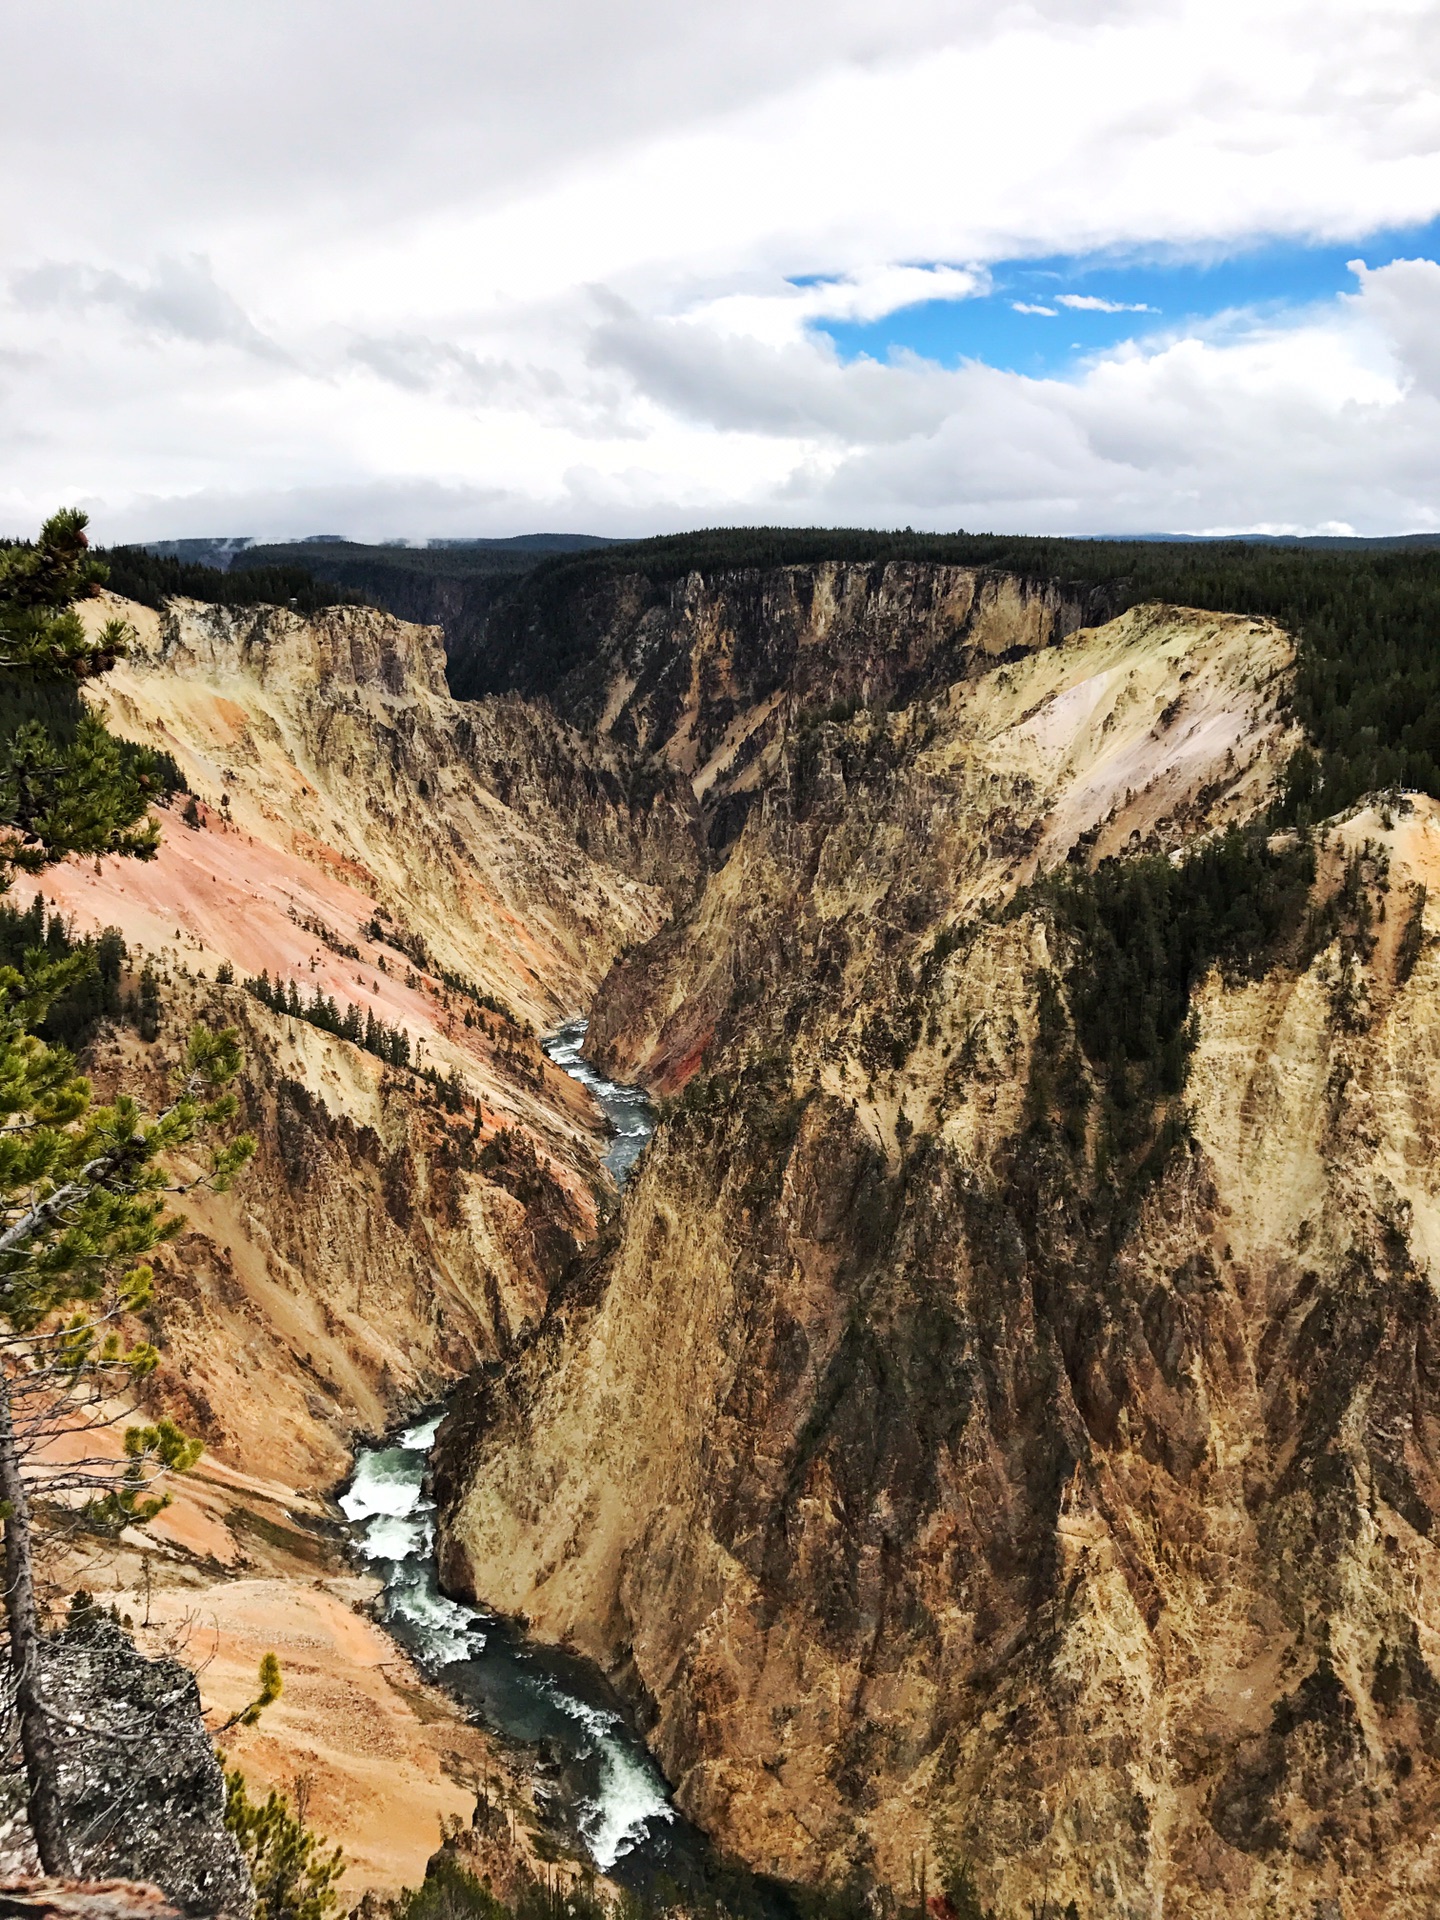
column 389, row 270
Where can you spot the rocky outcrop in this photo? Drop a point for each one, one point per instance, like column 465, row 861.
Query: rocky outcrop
column 140, row 1784
column 32, row 1897
column 909, row 1490
column 704, row 671
column 521, row 855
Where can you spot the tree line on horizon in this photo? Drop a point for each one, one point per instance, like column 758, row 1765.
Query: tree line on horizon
column 1366, row 622
column 152, row 579
column 1366, row 618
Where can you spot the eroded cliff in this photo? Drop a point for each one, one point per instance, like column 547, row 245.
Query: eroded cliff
column 521, row 854
column 910, row 1481
column 463, row 874
column 360, row 834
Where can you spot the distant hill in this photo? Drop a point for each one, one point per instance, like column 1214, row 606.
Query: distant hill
column 450, row 583
column 217, row 553
column 1317, row 542
column 533, row 543
column 223, row 551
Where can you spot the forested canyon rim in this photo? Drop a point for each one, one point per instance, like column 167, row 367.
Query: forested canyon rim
column 902, row 1488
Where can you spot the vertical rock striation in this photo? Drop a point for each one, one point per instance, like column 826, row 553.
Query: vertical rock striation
column 908, row 1485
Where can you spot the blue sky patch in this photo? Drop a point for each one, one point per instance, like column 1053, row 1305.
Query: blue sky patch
column 1043, row 315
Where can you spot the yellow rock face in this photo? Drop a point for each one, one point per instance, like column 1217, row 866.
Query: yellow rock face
column 367, row 1258
column 919, row 1499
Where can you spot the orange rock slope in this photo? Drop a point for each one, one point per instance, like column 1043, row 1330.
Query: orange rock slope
column 359, row 833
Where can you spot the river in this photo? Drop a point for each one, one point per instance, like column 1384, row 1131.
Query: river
column 597, row 1783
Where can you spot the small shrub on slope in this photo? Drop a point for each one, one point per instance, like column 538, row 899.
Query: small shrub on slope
column 295, row 1877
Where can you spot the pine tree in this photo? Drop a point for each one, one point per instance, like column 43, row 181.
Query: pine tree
column 66, row 784
column 81, row 1187
column 40, row 582
column 147, row 1018
column 294, row 1877
column 80, row 1205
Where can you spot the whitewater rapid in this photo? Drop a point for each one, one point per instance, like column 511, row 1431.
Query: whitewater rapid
column 628, row 1109
column 601, row 1783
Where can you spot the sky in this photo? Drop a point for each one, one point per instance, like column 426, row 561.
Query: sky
column 1070, row 266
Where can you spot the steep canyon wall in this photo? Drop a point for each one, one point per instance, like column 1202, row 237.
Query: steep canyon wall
column 908, row 1488
column 428, row 862
column 464, row 873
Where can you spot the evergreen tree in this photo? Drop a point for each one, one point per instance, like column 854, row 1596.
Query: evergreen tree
column 294, row 1876
column 40, row 582
column 66, row 784
column 80, row 1205
column 147, row 1017
column 81, row 1187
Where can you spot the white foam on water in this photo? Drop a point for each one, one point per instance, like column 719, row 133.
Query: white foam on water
column 383, row 1483
column 398, row 1524
column 449, row 1630
column 631, row 1790
column 564, row 1046
column 626, row 1108
column 394, row 1537
column 420, row 1439
column 629, row 1800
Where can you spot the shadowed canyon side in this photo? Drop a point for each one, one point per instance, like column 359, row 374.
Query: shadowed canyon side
column 700, row 671
column 911, row 1485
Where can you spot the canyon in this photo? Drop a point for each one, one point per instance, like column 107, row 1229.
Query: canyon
column 361, row 833
column 917, row 1503
column 906, row 1502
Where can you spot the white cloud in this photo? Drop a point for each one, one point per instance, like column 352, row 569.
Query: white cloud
column 782, row 311
column 1092, row 303
column 179, row 299
column 872, row 295
column 1404, row 299
column 513, row 265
